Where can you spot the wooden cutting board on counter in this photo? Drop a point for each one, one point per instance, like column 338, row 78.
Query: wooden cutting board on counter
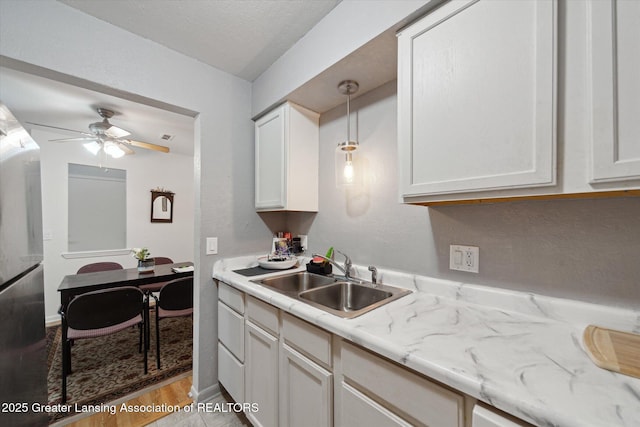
column 616, row 351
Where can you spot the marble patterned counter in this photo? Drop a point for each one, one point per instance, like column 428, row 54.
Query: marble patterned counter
column 522, row 353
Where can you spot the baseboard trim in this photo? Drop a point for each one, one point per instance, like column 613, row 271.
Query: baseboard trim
column 205, row 395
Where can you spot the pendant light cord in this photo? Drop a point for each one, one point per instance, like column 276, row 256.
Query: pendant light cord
column 348, row 118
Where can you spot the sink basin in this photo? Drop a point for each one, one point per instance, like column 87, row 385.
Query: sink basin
column 349, row 299
column 345, row 298
column 296, row 282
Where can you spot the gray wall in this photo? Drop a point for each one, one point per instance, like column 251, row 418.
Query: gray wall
column 581, row 249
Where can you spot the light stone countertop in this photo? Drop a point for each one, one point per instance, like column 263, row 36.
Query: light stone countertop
column 522, row 353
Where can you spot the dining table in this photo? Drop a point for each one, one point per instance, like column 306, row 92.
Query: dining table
column 76, row 284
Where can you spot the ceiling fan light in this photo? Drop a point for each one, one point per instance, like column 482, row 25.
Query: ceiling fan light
column 93, row 147
column 113, row 150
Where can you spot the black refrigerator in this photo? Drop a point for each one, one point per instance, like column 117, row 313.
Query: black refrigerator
column 23, row 364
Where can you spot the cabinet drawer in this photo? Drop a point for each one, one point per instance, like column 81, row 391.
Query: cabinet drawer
column 231, row 373
column 263, row 314
column 485, row 417
column 409, row 393
column 231, row 330
column 310, row 340
column 231, row 296
column 358, row 409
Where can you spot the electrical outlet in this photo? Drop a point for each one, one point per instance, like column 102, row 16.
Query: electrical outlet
column 464, row 258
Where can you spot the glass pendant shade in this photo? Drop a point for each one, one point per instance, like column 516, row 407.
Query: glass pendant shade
column 346, row 160
column 93, row 147
column 113, row 150
column 110, row 148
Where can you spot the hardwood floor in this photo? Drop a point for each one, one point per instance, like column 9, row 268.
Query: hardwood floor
column 172, row 393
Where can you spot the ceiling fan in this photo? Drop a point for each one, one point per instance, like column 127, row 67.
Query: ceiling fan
column 106, row 137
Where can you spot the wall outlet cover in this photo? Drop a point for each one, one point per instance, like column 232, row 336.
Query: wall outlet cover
column 464, row 258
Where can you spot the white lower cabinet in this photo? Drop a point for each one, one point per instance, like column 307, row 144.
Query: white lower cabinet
column 231, row 373
column 231, row 340
column 485, row 417
column 261, row 375
column 306, row 397
column 408, row 396
column 301, row 375
column 357, row 409
column 261, row 362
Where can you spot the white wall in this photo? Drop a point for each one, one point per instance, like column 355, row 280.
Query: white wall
column 144, row 172
column 52, row 36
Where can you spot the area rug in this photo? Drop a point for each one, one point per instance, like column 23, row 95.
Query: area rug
column 107, row 368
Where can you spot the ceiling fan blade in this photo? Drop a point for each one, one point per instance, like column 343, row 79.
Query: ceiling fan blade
column 126, row 148
column 85, row 138
column 116, row 132
column 59, row 128
column 147, row 145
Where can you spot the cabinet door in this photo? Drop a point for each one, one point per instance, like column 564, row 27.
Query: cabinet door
column 615, row 90
column 261, row 375
column 271, row 160
column 476, row 98
column 305, row 391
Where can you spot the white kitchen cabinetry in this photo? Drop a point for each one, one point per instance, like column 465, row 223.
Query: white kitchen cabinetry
column 300, row 374
column 231, row 340
column 376, row 389
column 615, row 90
column 305, row 391
column 485, row 417
column 477, row 113
column 286, row 159
column 306, row 381
column 476, row 98
column 261, row 362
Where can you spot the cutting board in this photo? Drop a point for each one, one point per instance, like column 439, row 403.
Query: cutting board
column 616, row 351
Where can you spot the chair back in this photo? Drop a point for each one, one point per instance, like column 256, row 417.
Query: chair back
column 177, row 294
column 99, row 266
column 159, row 260
column 104, row 308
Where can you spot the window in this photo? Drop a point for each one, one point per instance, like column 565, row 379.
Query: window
column 97, row 208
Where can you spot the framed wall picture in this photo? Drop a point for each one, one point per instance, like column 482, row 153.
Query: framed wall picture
column 161, row 206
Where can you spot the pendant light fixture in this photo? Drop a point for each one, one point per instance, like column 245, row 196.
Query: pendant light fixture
column 345, row 158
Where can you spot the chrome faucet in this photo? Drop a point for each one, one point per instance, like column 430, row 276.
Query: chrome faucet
column 346, row 270
column 374, row 274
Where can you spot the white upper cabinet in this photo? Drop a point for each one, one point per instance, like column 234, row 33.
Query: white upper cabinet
column 477, row 99
column 286, row 159
column 615, row 90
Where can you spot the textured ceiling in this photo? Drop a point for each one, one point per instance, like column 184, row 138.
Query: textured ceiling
column 241, row 37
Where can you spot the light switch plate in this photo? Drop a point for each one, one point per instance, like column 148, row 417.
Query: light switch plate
column 464, row 258
column 212, row 245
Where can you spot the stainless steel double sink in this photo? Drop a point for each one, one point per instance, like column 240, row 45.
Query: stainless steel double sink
column 346, row 298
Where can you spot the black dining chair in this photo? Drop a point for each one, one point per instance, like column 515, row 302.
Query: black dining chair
column 99, row 266
column 155, row 287
column 175, row 299
column 99, row 313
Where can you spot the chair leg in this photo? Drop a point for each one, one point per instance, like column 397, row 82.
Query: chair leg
column 157, row 339
column 66, row 365
column 145, row 345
